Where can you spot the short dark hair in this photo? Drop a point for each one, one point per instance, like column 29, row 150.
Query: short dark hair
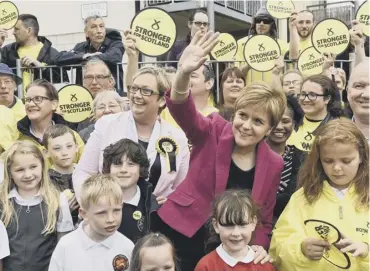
column 231, row 71
column 56, row 131
column 51, row 91
column 208, row 72
column 30, row 21
column 308, row 11
column 330, row 90
column 135, row 152
column 292, row 104
column 192, row 14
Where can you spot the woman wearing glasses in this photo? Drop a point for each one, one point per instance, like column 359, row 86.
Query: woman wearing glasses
column 319, row 99
column 141, row 124
column 198, row 21
column 105, row 103
column 41, row 103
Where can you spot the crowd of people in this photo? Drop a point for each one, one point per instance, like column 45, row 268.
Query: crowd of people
column 162, row 176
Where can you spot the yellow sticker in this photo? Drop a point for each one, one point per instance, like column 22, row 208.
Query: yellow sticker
column 75, row 103
column 310, row 62
column 226, row 49
column 8, row 15
column 261, row 52
column 137, row 215
column 362, row 15
column 330, row 36
column 280, row 9
column 155, row 31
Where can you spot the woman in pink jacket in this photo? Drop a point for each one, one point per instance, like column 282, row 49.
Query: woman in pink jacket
column 225, row 155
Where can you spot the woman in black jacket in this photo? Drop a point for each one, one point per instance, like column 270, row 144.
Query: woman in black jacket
column 293, row 157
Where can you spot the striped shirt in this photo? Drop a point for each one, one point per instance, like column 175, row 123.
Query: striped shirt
column 287, row 171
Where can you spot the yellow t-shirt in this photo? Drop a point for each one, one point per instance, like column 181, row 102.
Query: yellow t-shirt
column 31, row 51
column 18, row 109
column 303, row 138
column 166, row 115
column 8, row 128
column 252, row 75
column 304, row 44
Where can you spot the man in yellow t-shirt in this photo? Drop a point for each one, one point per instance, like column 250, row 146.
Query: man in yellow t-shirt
column 263, row 23
column 305, row 25
column 8, row 85
column 34, row 51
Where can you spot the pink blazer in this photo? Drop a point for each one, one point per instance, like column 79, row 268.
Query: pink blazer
column 189, row 206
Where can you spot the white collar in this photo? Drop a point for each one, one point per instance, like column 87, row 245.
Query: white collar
column 35, row 200
column 340, row 192
column 89, row 243
column 135, row 200
column 231, row 261
column 34, row 134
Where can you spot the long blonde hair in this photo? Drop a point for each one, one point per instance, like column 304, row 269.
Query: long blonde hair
column 49, row 193
column 311, row 176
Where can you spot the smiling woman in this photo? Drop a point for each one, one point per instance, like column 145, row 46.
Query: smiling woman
column 228, row 155
column 142, row 125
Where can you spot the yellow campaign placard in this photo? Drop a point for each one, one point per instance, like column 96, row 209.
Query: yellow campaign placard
column 280, row 9
column 310, row 62
column 226, row 49
column 8, row 15
column 154, row 30
column 75, row 103
column 330, row 36
column 261, row 52
column 362, row 15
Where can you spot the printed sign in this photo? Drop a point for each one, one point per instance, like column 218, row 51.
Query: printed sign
column 261, row 52
column 226, row 48
column 330, row 36
column 155, row 31
column 280, row 9
column 75, row 103
column 8, row 15
column 323, row 230
column 310, row 62
column 362, row 15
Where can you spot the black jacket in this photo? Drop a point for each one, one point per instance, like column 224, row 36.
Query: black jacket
column 177, row 50
column 24, row 126
column 151, row 204
column 9, row 55
column 283, row 197
column 112, row 53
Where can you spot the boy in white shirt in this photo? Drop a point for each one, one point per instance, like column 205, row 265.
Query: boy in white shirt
column 96, row 244
column 4, row 244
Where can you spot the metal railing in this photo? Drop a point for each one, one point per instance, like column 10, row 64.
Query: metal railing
column 344, row 10
column 247, row 7
column 216, row 66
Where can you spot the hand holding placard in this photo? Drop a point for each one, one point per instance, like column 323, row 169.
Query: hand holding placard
column 129, row 43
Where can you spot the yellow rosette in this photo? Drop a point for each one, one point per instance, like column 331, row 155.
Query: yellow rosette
column 168, row 147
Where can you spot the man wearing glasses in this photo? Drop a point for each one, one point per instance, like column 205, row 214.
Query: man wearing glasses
column 263, row 23
column 8, row 86
column 198, row 20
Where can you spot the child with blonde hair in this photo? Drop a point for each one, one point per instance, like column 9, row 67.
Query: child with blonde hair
column 96, row 244
column 34, row 213
column 325, row 224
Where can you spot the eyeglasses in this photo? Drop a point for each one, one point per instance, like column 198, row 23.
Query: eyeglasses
column 199, row 24
column 6, row 82
column 264, row 20
column 109, row 107
column 311, row 96
column 143, row 91
column 294, row 83
column 99, row 78
column 36, row 99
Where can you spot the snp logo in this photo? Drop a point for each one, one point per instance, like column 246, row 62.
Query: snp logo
column 364, row 230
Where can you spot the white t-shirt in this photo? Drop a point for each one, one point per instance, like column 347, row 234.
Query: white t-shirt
column 64, row 222
column 4, row 242
column 77, row 252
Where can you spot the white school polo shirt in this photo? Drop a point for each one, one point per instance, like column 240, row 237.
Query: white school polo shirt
column 77, row 252
column 4, row 242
